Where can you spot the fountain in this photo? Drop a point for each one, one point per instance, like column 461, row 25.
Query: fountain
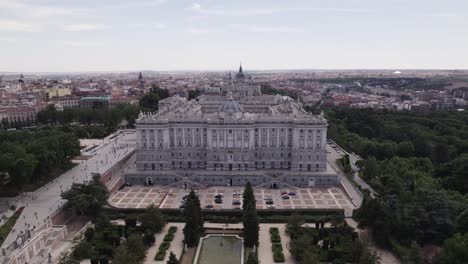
column 215, row 249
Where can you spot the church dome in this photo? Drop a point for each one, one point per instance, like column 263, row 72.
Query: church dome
column 231, row 106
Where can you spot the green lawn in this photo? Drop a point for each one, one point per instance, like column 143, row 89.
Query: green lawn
column 6, row 228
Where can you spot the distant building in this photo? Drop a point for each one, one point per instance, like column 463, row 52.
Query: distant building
column 66, row 102
column 21, row 116
column 58, row 92
column 95, row 102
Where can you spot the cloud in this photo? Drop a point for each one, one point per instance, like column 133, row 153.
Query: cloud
column 196, row 6
column 276, row 29
column 82, row 27
column 265, row 28
column 22, row 9
column 231, row 12
column 331, row 9
column 83, row 44
column 198, row 31
column 443, row 15
column 7, row 39
column 159, row 25
column 13, row 25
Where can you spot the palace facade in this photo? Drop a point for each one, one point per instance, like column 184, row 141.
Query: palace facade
column 230, row 138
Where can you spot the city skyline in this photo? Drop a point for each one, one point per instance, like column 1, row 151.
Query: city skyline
column 165, row 35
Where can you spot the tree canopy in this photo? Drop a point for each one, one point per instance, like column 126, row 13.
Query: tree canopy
column 87, row 199
column 30, row 156
column 418, row 165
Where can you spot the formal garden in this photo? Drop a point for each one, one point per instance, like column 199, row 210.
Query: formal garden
column 125, row 235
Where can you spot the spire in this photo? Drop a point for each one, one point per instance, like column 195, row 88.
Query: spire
column 140, row 76
column 240, row 68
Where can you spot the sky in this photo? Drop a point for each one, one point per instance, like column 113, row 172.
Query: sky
column 166, row 35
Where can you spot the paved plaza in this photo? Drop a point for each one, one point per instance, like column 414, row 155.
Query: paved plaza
column 142, row 197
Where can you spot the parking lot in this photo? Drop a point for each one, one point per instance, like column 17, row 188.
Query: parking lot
column 142, row 197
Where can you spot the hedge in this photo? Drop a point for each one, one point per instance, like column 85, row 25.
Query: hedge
column 166, row 244
column 278, row 256
column 235, row 216
column 276, row 246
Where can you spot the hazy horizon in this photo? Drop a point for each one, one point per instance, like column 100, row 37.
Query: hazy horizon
column 47, row 36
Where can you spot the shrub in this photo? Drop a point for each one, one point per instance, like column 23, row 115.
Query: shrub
column 103, row 260
column 274, row 230
column 275, row 238
column 130, row 221
column 89, row 233
column 164, row 245
column 148, row 239
column 160, row 256
column 278, row 256
column 172, row 229
column 276, row 247
column 169, row 237
column 82, row 250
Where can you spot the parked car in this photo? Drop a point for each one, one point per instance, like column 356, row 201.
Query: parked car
column 271, row 206
column 209, row 206
column 236, row 203
column 284, row 193
column 291, row 193
column 269, row 202
column 285, row 197
column 218, row 196
column 218, row 200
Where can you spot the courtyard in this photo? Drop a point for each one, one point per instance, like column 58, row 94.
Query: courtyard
column 231, row 198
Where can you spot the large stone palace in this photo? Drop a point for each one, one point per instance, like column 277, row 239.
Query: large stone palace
column 229, row 138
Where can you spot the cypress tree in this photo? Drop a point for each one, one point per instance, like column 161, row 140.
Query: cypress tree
column 248, row 196
column 251, row 227
column 193, row 220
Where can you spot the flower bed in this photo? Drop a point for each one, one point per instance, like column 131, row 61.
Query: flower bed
column 166, row 244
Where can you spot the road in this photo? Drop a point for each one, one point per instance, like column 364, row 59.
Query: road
column 356, row 196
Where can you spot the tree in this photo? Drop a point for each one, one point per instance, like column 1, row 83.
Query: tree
column 252, row 259
column 193, row 94
column 414, row 255
column 370, row 168
column 299, row 247
column 172, row 259
column 369, row 257
column 67, row 259
column 193, row 220
column 122, row 255
column 248, row 197
column 309, row 257
column 87, row 199
column 294, row 226
column 136, row 247
column 130, row 221
column 152, row 220
column 150, row 101
column 251, row 225
column 454, row 250
column 405, row 149
column 461, row 223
